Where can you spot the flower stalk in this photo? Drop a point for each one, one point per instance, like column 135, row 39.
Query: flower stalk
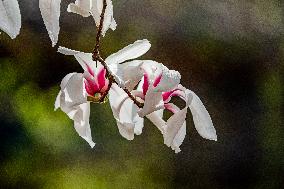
column 96, row 57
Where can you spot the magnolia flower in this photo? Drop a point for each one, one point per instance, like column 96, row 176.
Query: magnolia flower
column 76, row 88
column 158, row 86
column 94, row 8
column 10, row 17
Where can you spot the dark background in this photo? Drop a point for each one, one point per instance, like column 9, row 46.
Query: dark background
column 229, row 52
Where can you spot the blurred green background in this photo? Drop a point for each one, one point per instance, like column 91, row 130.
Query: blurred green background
column 230, row 52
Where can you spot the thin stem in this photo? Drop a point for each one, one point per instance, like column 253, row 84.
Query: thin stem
column 97, row 57
column 99, row 32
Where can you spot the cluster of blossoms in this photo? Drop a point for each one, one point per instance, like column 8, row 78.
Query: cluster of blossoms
column 136, row 88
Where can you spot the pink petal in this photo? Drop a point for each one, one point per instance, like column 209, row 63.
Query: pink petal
column 157, row 80
column 101, row 77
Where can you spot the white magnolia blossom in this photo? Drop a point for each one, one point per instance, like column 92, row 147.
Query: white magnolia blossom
column 76, row 87
column 94, row 8
column 10, row 17
column 156, row 89
column 150, row 83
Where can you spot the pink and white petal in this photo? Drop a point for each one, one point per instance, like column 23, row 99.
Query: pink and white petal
column 81, row 7
column 153, row 102
column 81, row 123
column 10, row 15
column 201, row 118
column 50, row 12
column 175, row 132
column 170, row 80
column 84, row 59
column 135, row 50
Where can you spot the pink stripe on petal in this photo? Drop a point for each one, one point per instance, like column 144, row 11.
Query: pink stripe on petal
column 168, row 95
column 157, row 80
column 89, row 89
column 90, row 69
column 92, row 84
column 146, row 83
column 171, row 108
column 104, row 88
column 101, row 78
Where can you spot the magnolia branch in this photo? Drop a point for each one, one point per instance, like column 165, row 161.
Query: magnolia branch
column 97, row 57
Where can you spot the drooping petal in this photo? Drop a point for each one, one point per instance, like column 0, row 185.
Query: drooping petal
column 81, row 7
column 130, row 52
column 169, row 80
column 10, row 17
column 73, row 101
column 81, row 123
column 96, row 10
column 175, row 130
column 201, row 118
column 50, row 11
column 125, row 113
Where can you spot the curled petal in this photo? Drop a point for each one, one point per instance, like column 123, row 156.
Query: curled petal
column 81, row 123
column 125, row 113
column 201, row 118
column 169, row 80
column 175, row 130
column 130, row 52
column 10, row 17
column 50, row 11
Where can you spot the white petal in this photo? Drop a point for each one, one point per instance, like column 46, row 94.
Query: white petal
column 81, row 123
column 175, row 130
column 72, row 100
column 129, row 73
column 81, row 7
column 96, row 10
column 153, row 102
column 130, row 52
column 125, row 113
column 50, row 11
column 72, row 95
column 84, row 59
column 57, row 101
column 170, row 79
column 157, row 119
column 201, row 118
column 10, row 17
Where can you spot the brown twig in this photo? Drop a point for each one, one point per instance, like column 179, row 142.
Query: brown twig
column 97, row 57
